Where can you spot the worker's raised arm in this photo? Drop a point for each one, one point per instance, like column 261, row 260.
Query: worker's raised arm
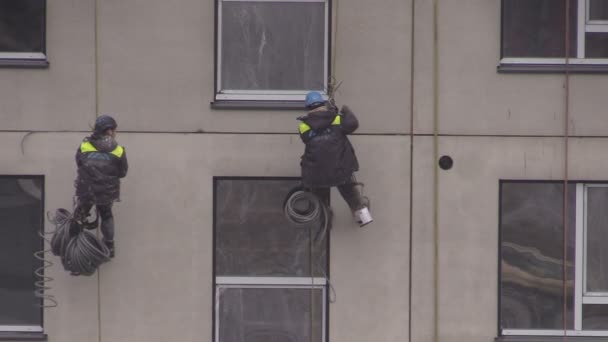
column 349, row 122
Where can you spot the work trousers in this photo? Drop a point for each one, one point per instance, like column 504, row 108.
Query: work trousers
column 105, row 214
column 349, row 191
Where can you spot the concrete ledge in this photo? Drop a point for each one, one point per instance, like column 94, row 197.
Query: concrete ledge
column 552, row 68
column 551, row 338
column 23, row 336
column 257, row 105
column 24, row 63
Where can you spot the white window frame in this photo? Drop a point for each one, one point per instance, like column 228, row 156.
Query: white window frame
column 580, row 266
column 584, row 25
column 311, row 283
column 267, row 95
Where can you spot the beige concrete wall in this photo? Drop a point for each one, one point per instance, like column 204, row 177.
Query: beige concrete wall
column 61, row 97
column 159, row 286
column 157, row 67
column 475, row 99
column 468, row 223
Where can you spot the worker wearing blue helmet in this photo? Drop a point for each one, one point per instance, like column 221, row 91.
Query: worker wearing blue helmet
column 329, row 158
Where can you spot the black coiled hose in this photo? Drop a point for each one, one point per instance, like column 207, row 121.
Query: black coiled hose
column 81, row 254
column 303, row 208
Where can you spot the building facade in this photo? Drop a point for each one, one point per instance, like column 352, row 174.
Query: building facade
column 206, row 95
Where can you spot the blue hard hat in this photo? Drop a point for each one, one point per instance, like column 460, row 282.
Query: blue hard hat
column 314, row 99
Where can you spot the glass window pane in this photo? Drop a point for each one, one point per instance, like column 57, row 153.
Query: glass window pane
column 597, row 240
column 272, row 45
column 253, row 237
column 596, row 45
column 598, row 9
column 536, row 28
column 531, row 242
column 595, row 317
column 270, row 314
column 20, row 222
column 22, row 25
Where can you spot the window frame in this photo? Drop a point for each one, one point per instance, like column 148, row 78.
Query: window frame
column 264, row 282
column 38, row 330
column 579, row 297
column 28, row 59
column 253, row 96
column 576, row 64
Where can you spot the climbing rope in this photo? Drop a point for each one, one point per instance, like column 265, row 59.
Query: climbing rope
column 81, row 254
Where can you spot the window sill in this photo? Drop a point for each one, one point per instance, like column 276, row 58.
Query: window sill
column 24, row 63
column 550, row 338
column 258, row 105
column 23, row 336
column 507, row 68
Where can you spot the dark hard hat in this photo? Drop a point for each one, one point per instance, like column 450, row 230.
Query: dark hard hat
column 104, row 122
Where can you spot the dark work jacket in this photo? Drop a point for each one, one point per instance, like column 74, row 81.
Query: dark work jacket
column 101, row 163
column 329, row 158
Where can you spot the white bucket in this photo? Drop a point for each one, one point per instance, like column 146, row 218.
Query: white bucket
column 364, row 216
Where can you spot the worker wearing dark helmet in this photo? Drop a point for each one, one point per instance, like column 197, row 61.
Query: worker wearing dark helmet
column 101, row 163
column 329, row 158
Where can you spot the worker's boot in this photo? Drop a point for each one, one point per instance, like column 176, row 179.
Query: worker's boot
column 110, row 245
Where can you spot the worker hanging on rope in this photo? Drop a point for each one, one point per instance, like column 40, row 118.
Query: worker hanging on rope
column 329, row 158
column 101, row 163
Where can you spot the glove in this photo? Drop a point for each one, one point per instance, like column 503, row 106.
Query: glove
column 346, row 110
column 75, row 228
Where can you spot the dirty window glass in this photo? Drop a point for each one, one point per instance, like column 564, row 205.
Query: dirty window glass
column 20, row 221
column 598, row 10
column 253, row 238
column 597, row 240
column 535, row 28
column 531, row 249
column 272, row 45
column 22, row 25
column 270, row 314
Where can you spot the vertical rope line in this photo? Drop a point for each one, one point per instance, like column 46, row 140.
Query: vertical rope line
column 332, row 76
column 96, row 42
column 411, row 206
column 312, row 283
column 435, row 171
column 565, row 199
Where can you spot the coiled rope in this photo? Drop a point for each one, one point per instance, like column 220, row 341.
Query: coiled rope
column 42, row 286
column 303, row 209
column 81, row 254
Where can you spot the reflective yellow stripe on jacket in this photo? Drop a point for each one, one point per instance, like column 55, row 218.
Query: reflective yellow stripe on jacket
column 304, row 127
column 86, row 147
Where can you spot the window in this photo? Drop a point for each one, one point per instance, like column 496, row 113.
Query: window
column 22, row 32
column 270, row 276
column 21, row 220
column 532, row 259
column 269, row 50
column 533, row 33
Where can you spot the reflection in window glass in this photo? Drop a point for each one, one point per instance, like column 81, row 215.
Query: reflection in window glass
column 253, row 238
column 20, row 221
column 535, row 28
column 595, row 317
column 531, row 247
column 272, row 45
column 270, row 314
column 596, row 45
column 597, row 240
column 22, row 25
column 598, row 10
